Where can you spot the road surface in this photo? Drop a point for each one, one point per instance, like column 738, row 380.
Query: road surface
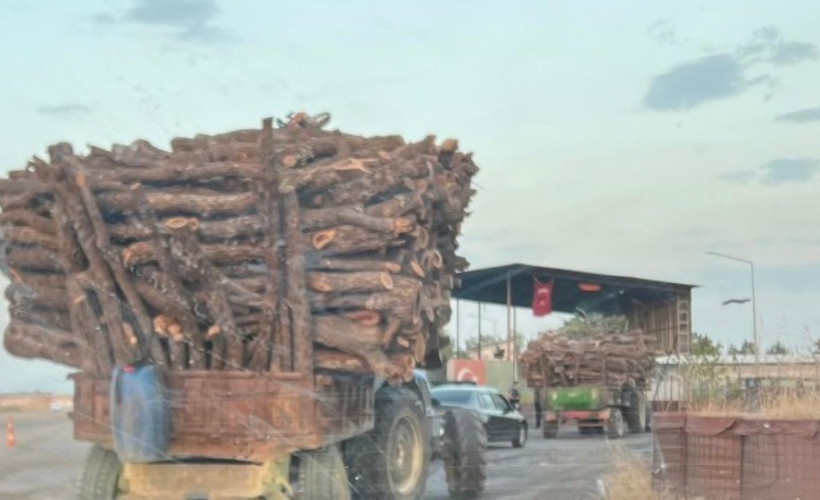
column 46, row 462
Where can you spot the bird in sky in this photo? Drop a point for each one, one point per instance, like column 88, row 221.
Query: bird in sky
column 735, row 301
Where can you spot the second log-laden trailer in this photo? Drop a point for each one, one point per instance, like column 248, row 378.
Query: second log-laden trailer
column 246, row 310
column 598, row 381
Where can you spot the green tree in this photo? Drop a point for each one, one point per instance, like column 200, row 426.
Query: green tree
column 703, row 345
column 585, row 325
column 746, row 347
column 777, row 348
column 471, row 343
column 704, row 370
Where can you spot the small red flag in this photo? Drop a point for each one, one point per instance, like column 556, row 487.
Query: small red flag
column 542, row 298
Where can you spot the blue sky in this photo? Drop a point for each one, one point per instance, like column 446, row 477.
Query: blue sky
column 622, row 137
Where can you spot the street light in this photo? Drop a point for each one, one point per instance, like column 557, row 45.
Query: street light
column 754, row 298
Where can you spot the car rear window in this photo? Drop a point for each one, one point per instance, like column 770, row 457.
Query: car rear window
column 457, row 398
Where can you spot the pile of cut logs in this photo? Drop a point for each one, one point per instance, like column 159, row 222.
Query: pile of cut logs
column 612, row 359
column 282, row 249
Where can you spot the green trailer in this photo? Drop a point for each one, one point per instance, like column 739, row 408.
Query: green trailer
column 596, row 409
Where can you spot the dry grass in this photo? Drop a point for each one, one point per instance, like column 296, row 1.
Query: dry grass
column 792, row 406
column 785, row 406
column 630, row 479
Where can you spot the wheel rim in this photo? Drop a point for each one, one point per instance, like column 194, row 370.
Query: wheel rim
column 405, row 455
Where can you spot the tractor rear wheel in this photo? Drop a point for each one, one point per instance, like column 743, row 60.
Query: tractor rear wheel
column 465, row 442
column 390, row 462
column 615, row 426
column 550, row 429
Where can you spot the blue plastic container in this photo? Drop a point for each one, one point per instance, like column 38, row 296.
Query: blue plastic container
column 140, row 414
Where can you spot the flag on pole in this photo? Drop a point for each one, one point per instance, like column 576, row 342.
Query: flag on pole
column 542, row 298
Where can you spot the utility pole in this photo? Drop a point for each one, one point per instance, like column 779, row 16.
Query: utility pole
column 754, row 303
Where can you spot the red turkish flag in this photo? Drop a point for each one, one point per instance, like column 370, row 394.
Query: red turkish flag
column 542, row 298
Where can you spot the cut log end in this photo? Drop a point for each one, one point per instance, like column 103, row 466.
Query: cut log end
column 402, row 225
column 323, row 238
column 181, row 222
column 386, row 281
column 364, row 318
column 417, row 269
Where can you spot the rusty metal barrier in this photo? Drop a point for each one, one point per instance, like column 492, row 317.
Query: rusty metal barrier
column 734, row 458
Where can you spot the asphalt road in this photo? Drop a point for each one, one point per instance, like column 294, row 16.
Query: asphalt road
column 46, row 462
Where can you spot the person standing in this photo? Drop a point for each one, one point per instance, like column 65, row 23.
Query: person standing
column 515, row 396
column 537, row 405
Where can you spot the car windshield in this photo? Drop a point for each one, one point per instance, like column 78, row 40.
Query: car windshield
column 455, row 397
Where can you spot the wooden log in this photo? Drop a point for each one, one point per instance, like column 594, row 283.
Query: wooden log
column 173, row 170
column 365, row 318
column 46, row 298
column 386, row 179
column 101, row 281
column 142, row 252
column 296, row 298
column 22, row 186
column 84, row 321
column 32, row 341
column 270, row 223
column 395, row 206
column 323, row 174
column 349, row 282
column 352, row 338
column 251, row 225
column 39, row 281
column 178, row 302
column 189, row 259
column 334, row 216
column 163, row 292
column 333, row 360
column 47, row 318
column 352, row 264
column 401, row 303
column 145, row 336
column 71, row 254
column 21, row 235
column 33, row 259
column 347, row 239
column 206, row 203
column 227, row 351
column 390, row 332
column 30, row 219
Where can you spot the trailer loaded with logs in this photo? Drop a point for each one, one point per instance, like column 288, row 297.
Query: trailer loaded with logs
column 598, row 381
column 259, row 297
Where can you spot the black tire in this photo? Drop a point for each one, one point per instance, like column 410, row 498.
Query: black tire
column 550, row 430
column 321, row 475
column 465, row 463
column 615, row 426
column 635, row 416
column 520, row 439
column 101, row 475
column 376, row 460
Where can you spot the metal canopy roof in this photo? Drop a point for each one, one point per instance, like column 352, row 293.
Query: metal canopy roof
column 616, row 294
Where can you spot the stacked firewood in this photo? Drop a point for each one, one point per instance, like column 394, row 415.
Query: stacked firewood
column 611, row 359
column 280, row 249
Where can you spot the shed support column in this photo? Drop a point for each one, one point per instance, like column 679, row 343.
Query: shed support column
column 509, row 323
